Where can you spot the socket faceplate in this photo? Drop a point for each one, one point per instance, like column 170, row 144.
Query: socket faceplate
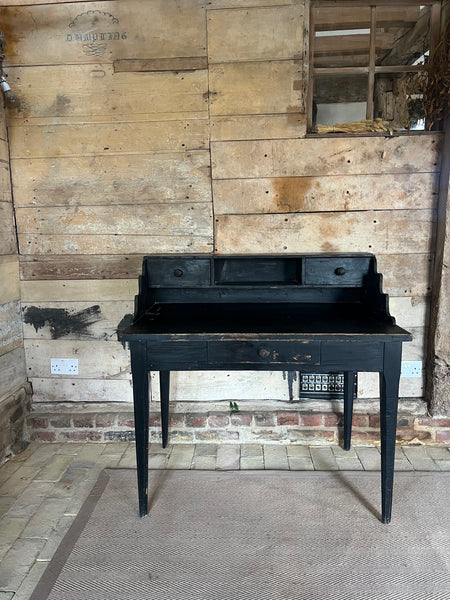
column 411, row 368
column 64, row 366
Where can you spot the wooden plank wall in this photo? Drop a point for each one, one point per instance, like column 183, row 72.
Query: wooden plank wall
column 12, row 356
column 160, row 127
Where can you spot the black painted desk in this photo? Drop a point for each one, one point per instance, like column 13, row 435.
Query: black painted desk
column 318, row 313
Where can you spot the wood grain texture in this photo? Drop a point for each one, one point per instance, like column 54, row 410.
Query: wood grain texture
column 255, row 88
column 74, row 320
column 103, row 139
column 380, row 232
column 320, row 156
column 82, row 390
column 150, row 178
column 258, row 127
column 67, row 34
column 96, row 359
column 10, row 327
column 8, row 244
column 12, row 370
column 86, row 290
column 260, row 33
column 9, row 278
column 328, row 193
column 94, row 93
column 188, row 63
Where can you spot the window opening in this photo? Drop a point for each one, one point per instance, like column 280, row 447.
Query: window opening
column 368, row 65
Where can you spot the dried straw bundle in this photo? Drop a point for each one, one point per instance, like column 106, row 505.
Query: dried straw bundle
column 364, row 126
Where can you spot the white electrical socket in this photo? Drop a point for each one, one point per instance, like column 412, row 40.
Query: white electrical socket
column 64, row 366
column 411, row 368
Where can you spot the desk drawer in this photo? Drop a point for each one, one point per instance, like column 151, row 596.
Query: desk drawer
column 295, row 353
column 178, row 272
column 339, row 271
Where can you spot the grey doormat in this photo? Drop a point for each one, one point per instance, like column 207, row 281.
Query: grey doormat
column 261, row 535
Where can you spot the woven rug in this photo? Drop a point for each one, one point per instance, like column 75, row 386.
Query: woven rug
column 261, row 535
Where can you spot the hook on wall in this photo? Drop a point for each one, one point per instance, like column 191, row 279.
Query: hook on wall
column 11, row 100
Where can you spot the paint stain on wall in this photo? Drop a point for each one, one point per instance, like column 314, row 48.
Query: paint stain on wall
column 61, row 321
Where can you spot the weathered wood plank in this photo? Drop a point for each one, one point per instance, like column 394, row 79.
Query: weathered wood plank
column 67, row 33
column 258, row 127
column 221, row 4
column 102, row 139
column 12, row 370
column 9, row 278
column 141, row 179
column 88, row 290
column 381, row 232
column 10, row 327
column 8, row 244
column 255, row 88
column 94, row 93
column 410, row 312
column 173, row 219
column 406, row 274
column 188, row 63
column 80, row 267
column 5, row 182
column 403, row 274
column 96, row 360
column 330, row 193
column 82, row 390
column 113, row 244
column 261, row 33
column 325, row 156
column 75, row 320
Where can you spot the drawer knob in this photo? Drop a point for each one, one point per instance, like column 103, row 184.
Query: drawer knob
column 178, row 272
column 264, row 353
column 340, row 271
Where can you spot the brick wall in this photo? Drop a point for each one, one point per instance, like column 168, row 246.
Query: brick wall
column 271, row 426
column 14, row 408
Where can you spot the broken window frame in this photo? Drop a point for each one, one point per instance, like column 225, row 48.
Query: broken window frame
column 371, row 70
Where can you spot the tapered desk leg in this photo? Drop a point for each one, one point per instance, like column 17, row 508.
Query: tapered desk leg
column 141, row 420
column 349, row 383
column 164, row 386
column 389, row 381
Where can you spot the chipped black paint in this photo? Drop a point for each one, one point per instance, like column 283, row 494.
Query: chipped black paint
column 125, row 322
column 291, row 376
column 61, row 321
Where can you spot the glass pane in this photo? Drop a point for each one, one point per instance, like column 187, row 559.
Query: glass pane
column 341, row 36
column 398, row 100
column 402, row 34
column 339, row 99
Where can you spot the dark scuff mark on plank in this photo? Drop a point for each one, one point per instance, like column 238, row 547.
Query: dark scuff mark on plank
column 61, row 321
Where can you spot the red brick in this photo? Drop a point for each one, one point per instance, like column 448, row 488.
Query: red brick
column 176, row 420
column 241, row 420
column 105, row 420
column 153, row 421
column 218, row 420
column 311, row 420
column 409, row 435
column 37, row 422
column 43, row 436
column 83, row 421
column 61, row 421
column 126, row 420
column 80, row 436
column 360, row 421
column 443, row 436
column 264, row 419
column 331, row 419
column 374, row 421
column 287, row 419
column 365, row 436
column 432, row 422
column 196, row 421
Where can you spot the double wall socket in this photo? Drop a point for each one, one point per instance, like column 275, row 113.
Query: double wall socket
column 411, row 368
column 64, row 366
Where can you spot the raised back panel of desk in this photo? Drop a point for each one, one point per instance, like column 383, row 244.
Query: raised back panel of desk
column 320, row 278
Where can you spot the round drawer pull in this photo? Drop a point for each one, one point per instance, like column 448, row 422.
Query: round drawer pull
column 264, row 353
column 178, row 272
column 340, row 271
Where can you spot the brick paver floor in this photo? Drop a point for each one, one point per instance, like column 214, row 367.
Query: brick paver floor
column 42, row 489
